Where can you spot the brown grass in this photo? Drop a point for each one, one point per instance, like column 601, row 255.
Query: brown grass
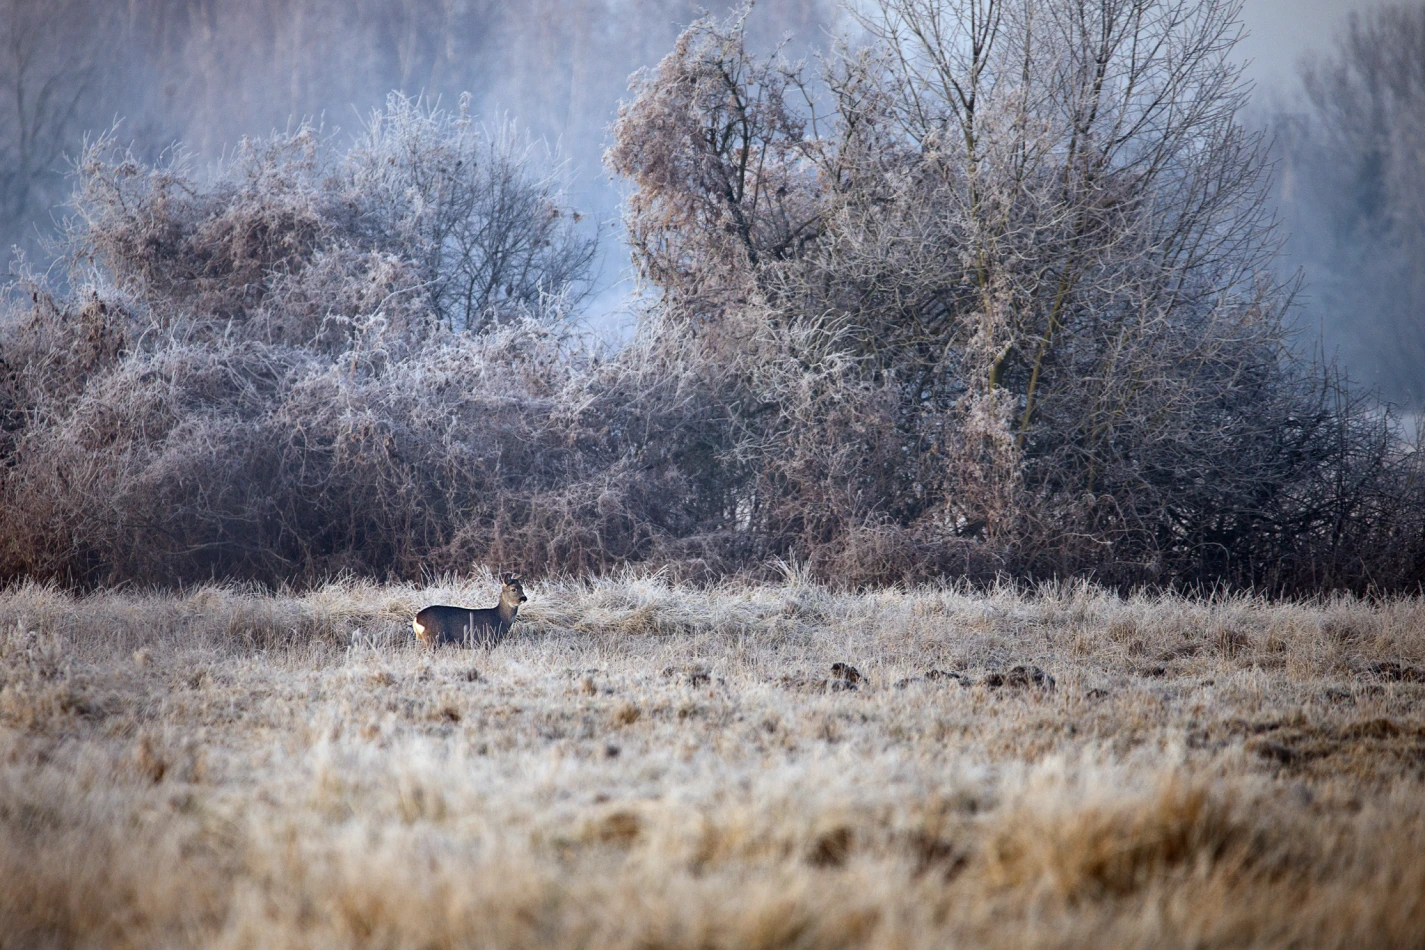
column 644, row 765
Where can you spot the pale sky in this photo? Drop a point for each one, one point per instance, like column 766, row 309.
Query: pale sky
column 1282, row 30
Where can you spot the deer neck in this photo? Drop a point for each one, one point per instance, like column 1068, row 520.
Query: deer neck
column 507, row 610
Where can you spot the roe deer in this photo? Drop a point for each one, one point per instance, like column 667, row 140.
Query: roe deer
column 439, row 623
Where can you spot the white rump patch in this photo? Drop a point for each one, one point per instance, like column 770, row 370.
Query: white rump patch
column 416, row 626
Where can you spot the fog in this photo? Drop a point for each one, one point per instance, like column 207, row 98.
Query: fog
column 1281, row 32
column 1341, row 88
column 205, row 73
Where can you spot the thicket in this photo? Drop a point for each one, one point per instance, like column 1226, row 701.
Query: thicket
column 987, row 294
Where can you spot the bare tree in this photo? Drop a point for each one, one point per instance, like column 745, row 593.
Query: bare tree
column 490, row 227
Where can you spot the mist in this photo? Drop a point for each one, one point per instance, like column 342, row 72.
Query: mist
column 206, row 73
column 1279, row 33
column 1340, row 88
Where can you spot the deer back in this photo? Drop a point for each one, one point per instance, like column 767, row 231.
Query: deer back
column 442, row 624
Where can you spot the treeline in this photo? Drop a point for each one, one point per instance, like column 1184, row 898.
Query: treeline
column 988, row 294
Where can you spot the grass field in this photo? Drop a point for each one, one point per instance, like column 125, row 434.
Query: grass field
column 648, row 766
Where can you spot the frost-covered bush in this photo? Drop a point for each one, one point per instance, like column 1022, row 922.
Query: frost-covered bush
column 485, row 229
column 426, row 213
column 178, row 459
column 288, row 370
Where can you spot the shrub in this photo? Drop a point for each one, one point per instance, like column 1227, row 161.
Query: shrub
column 271, row 374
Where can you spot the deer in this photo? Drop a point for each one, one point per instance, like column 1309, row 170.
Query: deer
column 440, row 623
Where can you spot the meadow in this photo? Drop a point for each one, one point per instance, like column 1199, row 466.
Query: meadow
column 650, row 765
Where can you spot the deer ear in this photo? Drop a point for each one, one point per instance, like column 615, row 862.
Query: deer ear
column 507, row 576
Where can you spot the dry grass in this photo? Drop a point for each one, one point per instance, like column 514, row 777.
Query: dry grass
column 643, row 765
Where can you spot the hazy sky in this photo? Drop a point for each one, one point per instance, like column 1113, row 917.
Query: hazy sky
column 1282, row 30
